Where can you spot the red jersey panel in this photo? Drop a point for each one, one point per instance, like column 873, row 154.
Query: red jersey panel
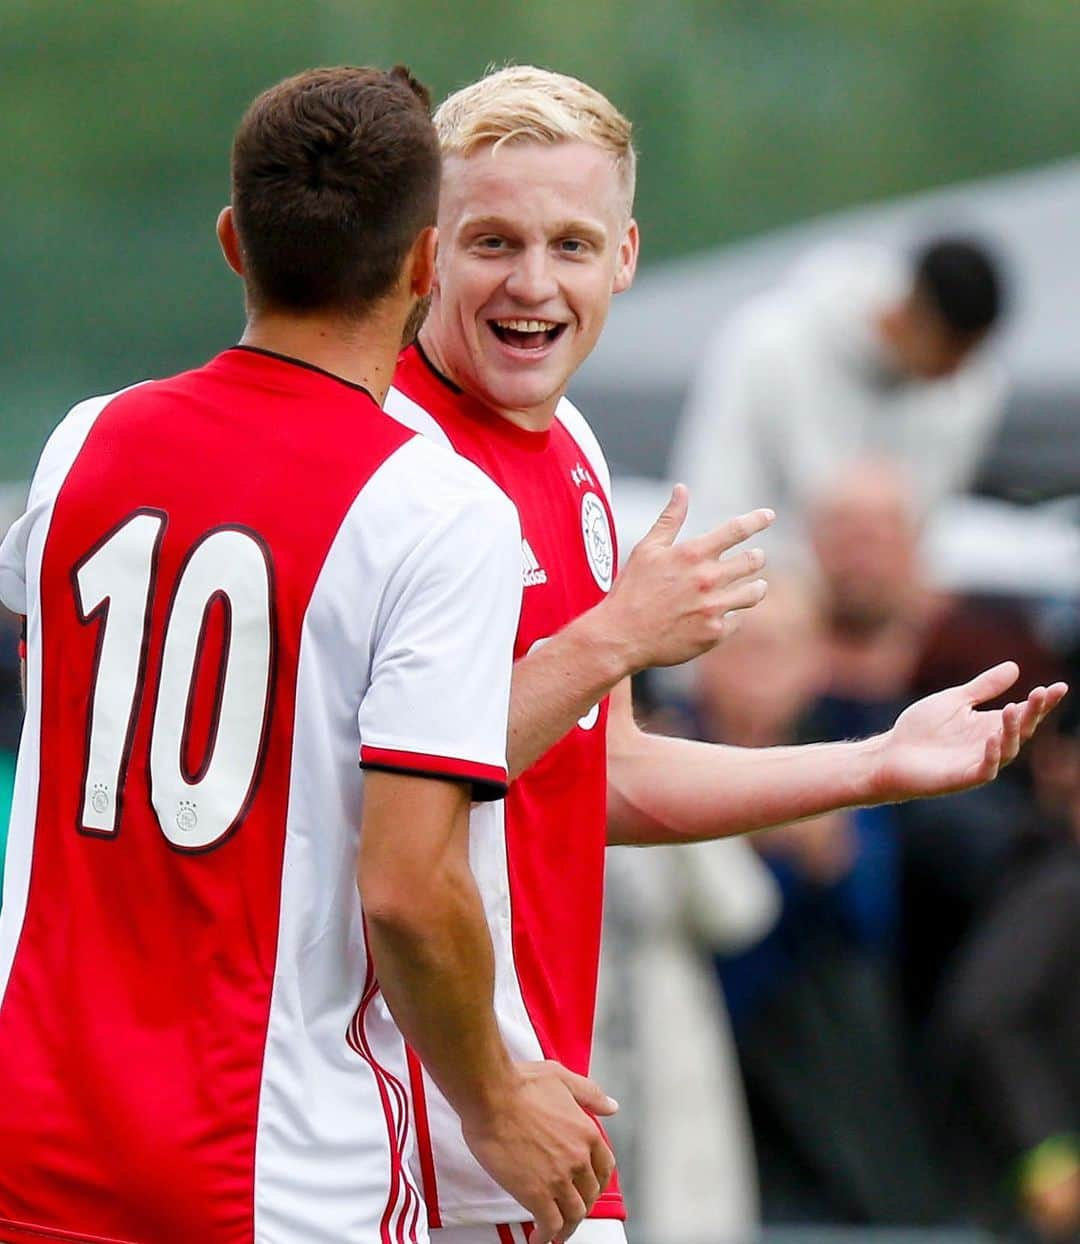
column 555, row 814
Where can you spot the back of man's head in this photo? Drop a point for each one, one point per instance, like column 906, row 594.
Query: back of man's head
column 961, row 281
column 335, row 173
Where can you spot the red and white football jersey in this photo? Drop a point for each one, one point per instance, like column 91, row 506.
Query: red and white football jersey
column 241, row 585
column 539, row 854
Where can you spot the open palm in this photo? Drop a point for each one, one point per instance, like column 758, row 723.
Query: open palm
column 945, row 742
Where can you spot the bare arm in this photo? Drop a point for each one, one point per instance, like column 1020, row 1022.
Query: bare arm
column 669, row 603
column 428, row 935
column 433, row 957
column 664, row 790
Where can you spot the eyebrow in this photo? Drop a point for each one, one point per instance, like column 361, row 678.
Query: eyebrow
column 566, row 228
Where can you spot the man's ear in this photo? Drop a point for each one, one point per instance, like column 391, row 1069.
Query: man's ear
column 626, row 265
column 228, row 241
column 421, row 262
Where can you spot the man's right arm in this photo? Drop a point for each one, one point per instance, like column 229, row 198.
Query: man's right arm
column 430, row 943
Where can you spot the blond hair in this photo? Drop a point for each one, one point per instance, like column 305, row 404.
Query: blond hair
column 523, row 103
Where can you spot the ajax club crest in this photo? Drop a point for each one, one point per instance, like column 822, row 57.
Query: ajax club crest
column 596, row 532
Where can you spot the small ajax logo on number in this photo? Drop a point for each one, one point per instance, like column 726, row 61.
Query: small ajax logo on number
column 99, row 800
column 596, row 531
column 187, row 818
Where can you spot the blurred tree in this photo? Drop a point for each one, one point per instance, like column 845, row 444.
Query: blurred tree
column 749, row 114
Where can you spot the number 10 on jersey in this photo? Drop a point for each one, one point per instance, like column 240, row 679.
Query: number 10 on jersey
column 116, row 584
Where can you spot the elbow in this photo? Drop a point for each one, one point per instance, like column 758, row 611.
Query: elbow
column 412, row 909
column 395, row 909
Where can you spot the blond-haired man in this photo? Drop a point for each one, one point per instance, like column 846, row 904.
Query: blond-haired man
column 536, row 234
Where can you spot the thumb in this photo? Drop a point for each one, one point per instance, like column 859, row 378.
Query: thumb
column 671, row 518
column 587, row 1093
column 992, row 682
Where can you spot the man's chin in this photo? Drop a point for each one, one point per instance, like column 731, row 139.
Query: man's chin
column 510, row 393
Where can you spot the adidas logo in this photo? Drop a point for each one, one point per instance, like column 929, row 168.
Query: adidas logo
column 533, row 574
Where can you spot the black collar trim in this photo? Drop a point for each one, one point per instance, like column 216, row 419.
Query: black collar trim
column 288, row 358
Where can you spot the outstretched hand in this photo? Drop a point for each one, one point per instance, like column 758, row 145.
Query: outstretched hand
column 946, row 743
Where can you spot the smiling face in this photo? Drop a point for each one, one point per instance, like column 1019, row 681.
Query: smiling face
column 534, row 238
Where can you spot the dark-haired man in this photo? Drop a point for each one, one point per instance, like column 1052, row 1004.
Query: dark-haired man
column 269, row 636
column 862, row 352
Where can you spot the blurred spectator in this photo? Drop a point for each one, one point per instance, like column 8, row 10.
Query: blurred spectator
column 860, row 352
column 890, row 638
column 1009, row 1021
column 663, row 1040
column 819, row 1038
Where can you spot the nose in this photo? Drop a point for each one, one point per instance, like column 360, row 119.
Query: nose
column 532, row 279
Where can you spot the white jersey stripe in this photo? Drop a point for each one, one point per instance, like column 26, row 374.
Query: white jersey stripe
column 585, row 438
column 24, row 545
column 414, row 416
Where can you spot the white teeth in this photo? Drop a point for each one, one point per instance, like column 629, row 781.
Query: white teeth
column 527, row 326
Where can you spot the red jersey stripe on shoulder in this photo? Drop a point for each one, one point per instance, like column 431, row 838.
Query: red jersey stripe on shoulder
column 489, row 781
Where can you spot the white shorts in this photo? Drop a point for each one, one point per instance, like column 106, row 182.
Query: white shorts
column 592, row 1231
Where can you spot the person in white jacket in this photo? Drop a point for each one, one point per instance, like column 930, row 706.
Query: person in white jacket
column 860, row 352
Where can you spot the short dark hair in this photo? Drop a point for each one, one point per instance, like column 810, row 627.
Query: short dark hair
column 962, row 282
column 335, row 173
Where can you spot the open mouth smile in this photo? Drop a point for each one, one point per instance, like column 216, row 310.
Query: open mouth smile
column 523, row 334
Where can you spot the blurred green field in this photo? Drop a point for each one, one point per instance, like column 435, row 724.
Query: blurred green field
column 749, row 114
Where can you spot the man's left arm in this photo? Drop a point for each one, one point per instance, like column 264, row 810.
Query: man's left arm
column 663, row 790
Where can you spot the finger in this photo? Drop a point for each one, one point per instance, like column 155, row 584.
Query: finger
column 588, row 1186
column 549, row 1224
column 587, row 1093
column 573, row 1211
column 991, row 683
column 733, row 532
column 671, row 518
column 991, row 758
column 1011, row 717
column 741, row 565
column 603, row 1161
column 742, row 596
column 1055, row 693
column 1029, row 714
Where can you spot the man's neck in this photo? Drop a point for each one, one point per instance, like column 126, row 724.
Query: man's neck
column 363, row 352
column 536, row 419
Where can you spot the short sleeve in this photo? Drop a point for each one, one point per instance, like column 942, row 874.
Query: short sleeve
column 442, row 650
column 60, row 452
column 13, row 565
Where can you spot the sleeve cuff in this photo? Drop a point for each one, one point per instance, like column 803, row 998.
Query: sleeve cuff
column 488, row 781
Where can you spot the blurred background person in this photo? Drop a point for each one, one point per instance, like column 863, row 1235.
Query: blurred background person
column 891, row 636
column 1008, row 1024
column 862, row 351
column 837, row 1133
column 664, row 1039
